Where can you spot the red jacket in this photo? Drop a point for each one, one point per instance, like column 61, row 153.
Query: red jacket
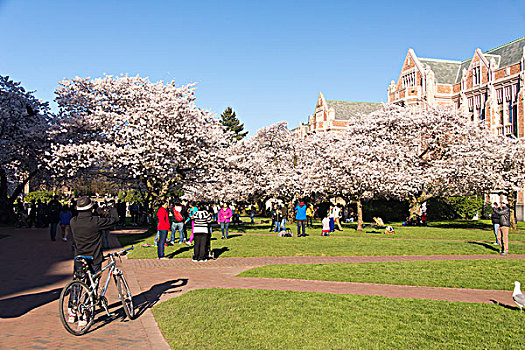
column 163, row 219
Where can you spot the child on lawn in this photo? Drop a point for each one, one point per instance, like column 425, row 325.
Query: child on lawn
column 326, row 226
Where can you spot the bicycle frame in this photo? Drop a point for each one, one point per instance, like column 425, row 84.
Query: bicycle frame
column 94, row 279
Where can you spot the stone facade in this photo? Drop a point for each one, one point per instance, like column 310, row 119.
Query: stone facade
column 488, row 87
column 332, row 116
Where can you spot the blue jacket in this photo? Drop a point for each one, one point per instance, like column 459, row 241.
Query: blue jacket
column 301, row 212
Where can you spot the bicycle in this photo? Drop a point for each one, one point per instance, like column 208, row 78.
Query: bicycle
column 79, row 297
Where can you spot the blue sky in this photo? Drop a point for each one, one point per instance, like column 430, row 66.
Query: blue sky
column 267, row 59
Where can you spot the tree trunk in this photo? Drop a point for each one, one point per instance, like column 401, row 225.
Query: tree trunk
column 414, row 207
column 359, row 215
column 6, row 201
column 511, row 197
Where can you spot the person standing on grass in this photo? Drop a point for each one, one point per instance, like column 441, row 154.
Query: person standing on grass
column 201, row 222
column 223, row 219
column 504, row 222
column 193, row 209
column 284, row 216
column 337, row 217
column 277, row 219
column 163, row 227
column 310, row 216
column 326, row 226
column 494, row 217
column 300, row 218
column 177, row 223
column 331, row 215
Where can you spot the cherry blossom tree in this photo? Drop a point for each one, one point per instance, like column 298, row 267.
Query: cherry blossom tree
column 150, row 136
column 24, row 138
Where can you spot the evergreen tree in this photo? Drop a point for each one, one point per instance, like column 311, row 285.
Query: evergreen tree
column 231, row 123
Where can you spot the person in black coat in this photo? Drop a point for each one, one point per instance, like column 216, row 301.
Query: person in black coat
column 86, row 231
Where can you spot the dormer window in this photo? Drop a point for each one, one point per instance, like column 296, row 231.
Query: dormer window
column 476, row 75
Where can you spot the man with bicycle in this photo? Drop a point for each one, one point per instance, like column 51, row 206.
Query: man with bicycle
column 86, row 229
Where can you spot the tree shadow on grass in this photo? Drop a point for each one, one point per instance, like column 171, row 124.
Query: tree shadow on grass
column 219, row 251
column 179, row 251
column 485, row 245
column 22, row 304
column 467, row 224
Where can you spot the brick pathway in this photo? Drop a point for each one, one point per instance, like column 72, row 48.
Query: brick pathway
column 33, row 270
column 221, row 274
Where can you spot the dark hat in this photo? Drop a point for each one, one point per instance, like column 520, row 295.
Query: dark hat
column 84, row 203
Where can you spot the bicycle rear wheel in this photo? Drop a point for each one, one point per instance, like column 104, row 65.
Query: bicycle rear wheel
column 76, row 308
column 125, row 296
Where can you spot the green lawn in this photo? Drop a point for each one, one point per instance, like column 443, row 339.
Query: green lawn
column 247, row 246
column 257, row 319
column 479, row 230
column 477, row 274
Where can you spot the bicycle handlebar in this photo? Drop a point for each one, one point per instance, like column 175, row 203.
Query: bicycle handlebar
column 122, row 252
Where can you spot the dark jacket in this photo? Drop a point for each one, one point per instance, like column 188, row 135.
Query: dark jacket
column 504, row 216
column 53, row 211
column 86, row 233
column 494, row 217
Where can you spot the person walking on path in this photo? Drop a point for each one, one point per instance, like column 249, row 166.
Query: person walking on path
column 504, row 222
column 163, row 227
column 53, row 216
column 65, row 221
column 201, row 221
column 177, row 223
column 310, row 216
column 300, row 218
column 224, row 218
column 495, row 222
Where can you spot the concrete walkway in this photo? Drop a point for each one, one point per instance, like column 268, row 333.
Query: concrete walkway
column 33, row 270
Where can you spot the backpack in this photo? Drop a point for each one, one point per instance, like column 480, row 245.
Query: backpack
column 177, row 215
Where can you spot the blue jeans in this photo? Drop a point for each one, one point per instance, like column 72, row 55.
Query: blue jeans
column 301, row 224
column 332, row 224
column 277, row 226
column 251, row 217
column 180, row 227
column 496, row 229
column 224, row 229
column 160, row 244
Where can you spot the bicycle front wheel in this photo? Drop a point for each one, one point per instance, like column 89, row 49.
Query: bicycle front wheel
column 76, row 308
column 125, row 296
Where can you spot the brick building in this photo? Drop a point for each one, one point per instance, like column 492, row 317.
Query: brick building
column 487, row 87
column 333, row 115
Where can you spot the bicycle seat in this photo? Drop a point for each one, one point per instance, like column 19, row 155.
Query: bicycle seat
column 87, row 258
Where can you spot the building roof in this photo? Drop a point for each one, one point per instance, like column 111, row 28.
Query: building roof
column 345, row 110
column 445, row 71
column 450, row 72
column 505, row 55
column 510, row 53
